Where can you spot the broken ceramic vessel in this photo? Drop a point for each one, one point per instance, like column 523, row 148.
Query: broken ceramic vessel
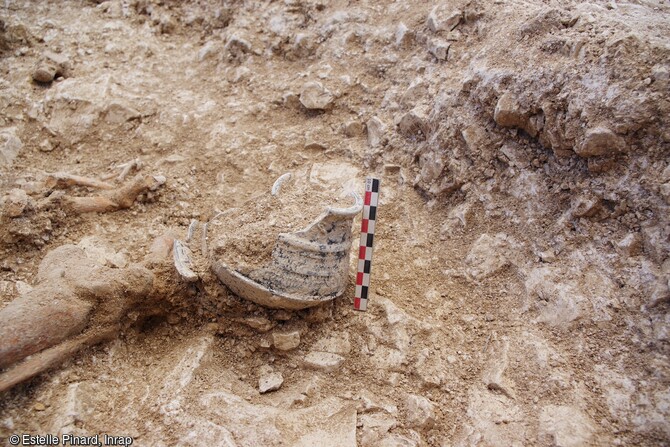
column 306, row 267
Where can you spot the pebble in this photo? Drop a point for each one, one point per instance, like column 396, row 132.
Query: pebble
column 286, row 341
column 39, row 406
column 420, row 411
column 402, row 35
column 324, row 361
column 354, row 129
column 260, row 324
column 46, row 146
column 314, row 96
column 439, row 49
column 208, row 50
column 270, row 381
column 600, row 141
column 15, row 203
column 437, row 21
column 44, row 73
column 412, row 123
column 507, row 112
column 236, row 46
column 631, row 245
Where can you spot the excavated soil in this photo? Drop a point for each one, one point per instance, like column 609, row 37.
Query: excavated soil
column 520, row 281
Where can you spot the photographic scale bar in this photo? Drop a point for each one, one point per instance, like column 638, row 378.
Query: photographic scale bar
column 367, row 240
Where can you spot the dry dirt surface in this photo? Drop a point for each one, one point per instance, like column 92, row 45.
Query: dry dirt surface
column 520, row 288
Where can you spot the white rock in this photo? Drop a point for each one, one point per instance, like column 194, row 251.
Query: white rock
column 389, row 359
column 487, row 256
column 22, row 287
column 304, row 45
column 46, row 146
column 314, row 96
column 402, row 35
column 439, row 49
column 335, row 343
column 286, row 341
column 270, row 381
column 236, row 47
column 394, row 440
column 420, row 412
column 97, row 250
column 10, row 146
column 496, row 366
column 567, row 426
column 335, row 174
column 238, row 74
column 440, row 20
column 323, row 361
column 631, row 245
column 413, row 123
column 374, row 427
column 208, row 50
column 330, row 423
column 376, row 130
column 15, row 203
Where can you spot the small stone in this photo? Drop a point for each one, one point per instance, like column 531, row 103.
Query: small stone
column 314, row 96
column 661, row 75
column 173, row 318
column 354, row 129
column 291, row 100
column 304, row 45
column 413, row 123
column 260, row 324
column 15, row 203
column 236, row 47
column 376, row 130
column 39, row 406
column 585, row 206
column 567, row 426
column 324, row 361
column 10, row 146
column 660, row 292
column 600, row 141
column 208, row 50
column 487, row 256
column 508, row 114
column 238, row 74
column 271, row 381
column 439, row 49
column 44, row 73
column 315, row 146
column 548, row 256
column 420, row 412
column 286, row 341
column 319, row 314
column 336, row 343
column 665, row 191
column 631, row 245
column 7, row 289
column 402, row 35
column 46, row 146
column 438, row 20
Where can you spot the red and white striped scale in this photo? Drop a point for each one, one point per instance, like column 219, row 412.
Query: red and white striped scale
column 367, row 239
